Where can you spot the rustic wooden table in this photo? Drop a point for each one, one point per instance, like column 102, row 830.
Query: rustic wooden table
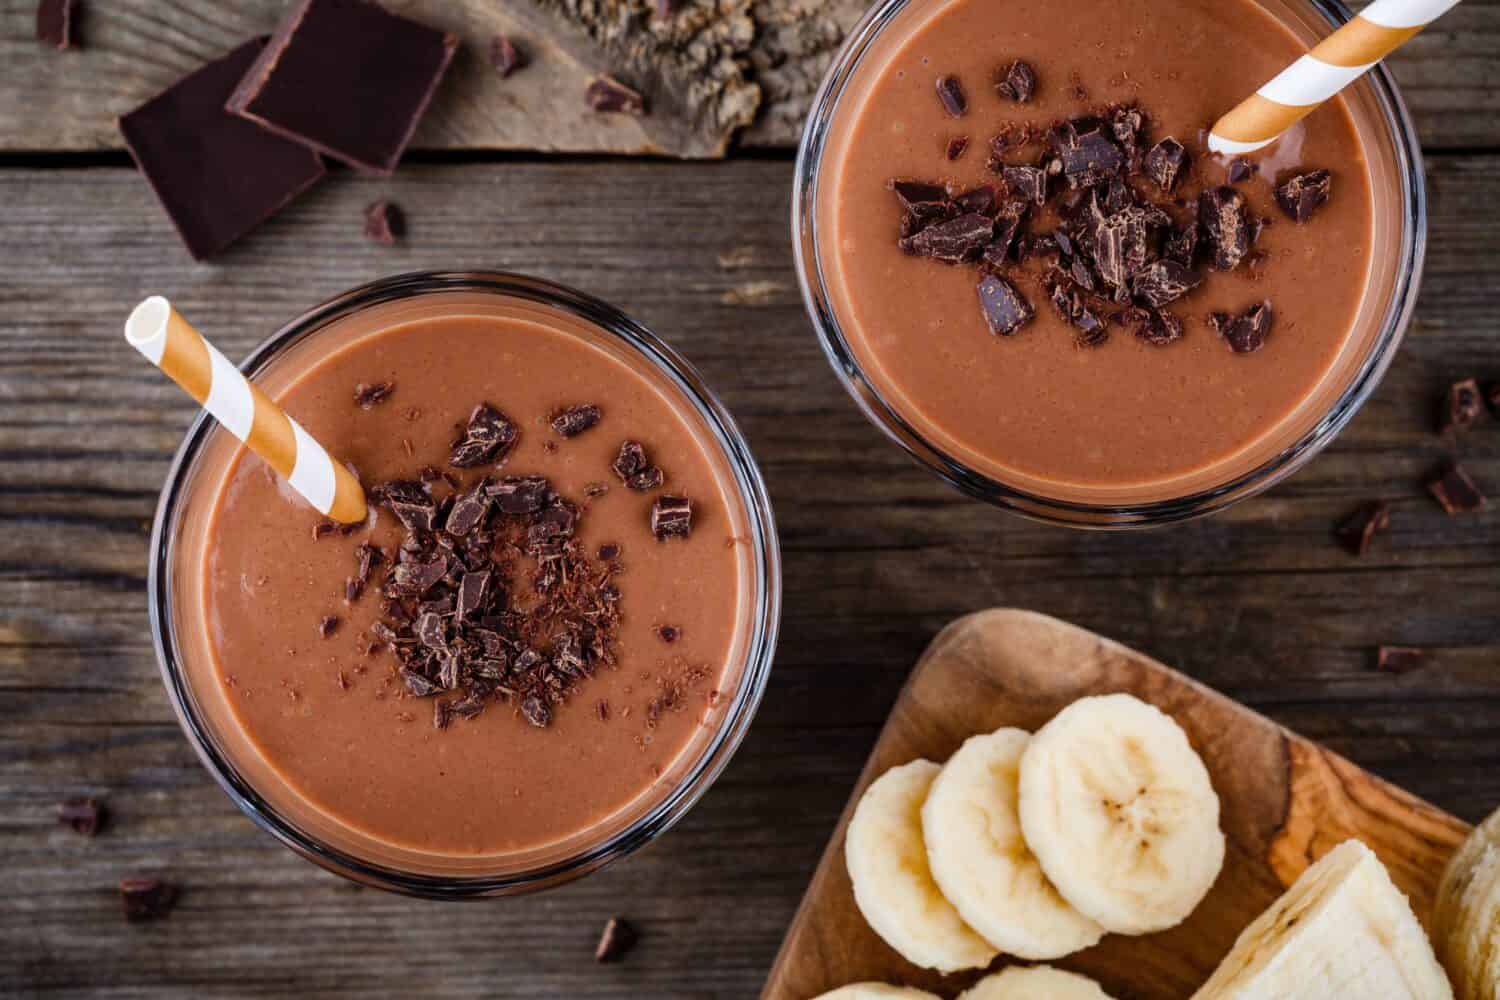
column 1257, row 602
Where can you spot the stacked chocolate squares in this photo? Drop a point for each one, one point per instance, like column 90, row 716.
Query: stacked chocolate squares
column 231, row 143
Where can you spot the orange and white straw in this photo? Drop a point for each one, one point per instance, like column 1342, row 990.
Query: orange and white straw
column 1332, row 65
column 170, row 343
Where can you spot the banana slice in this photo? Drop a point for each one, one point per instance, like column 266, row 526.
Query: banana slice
column 876, row 991
column 980, row 861
column 1040, row 982
column 892, row 884
column 1466, row 917
column 1343, row 931
column 1120, row 812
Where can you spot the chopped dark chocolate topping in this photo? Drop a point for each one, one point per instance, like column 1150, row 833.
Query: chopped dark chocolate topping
column 55, row 20
column 84, row 816
column 954, row 241
column 1165, row 163
column 1302, row 195
column 1070, row 305
column 617, row 938
column 635, row 469
column 368, row 395
column 327, row 626
column 1163, row 281
column 1462, row 405
column 951, row 93
column 1005, row 310
column 671, row 517
column 668, row 633
column 981, row 200
column 1152, row 326
column 1226, row 229
column 957, row 147
column 1400, row 659
column 505, row 56
column 1089, row 157
column 1452, row 487
column 574, row 420
column 1247, row 333
column 1356, row 531
column 489, row 438
column 520, row 494
column 1240, row 169
column 146, row 898
column 1019, row 82
column 1029, row 184
column 609, row 95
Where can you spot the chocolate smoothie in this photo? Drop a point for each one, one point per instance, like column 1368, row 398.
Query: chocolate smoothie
column 983, row 165
column 540, row 624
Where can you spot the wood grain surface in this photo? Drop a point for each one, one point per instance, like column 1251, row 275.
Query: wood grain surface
column 1284, row 801
column 714, row 67
column 1258, row 602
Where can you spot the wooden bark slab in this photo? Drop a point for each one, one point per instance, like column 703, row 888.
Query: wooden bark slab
column 1286, row 801
column 713, row 68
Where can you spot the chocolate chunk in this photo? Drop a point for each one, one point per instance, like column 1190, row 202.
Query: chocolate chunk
column 467, row 514
column 1400, row 659
column 617, row 939
column 416, row 577
column 1181, row 244
column 668, row 633
column 1029, row 184
column 1157, row 328
column 1005, row 310
column 1462, row 405
column 473, row 590
column 635, row 470
column 951, row 93
column 1120, row 246
column 1221, row 213
column 979, row 200
column 520, row 494
column 1089, row 157
column 373, row 74
column 327, row 626
column 957, row 146
column 1356, row 531
column 54, row 22
column 1163, row 281
column 1240, row 169
column 535, row 710
column 84, row 816
column 146, row 898
column 505, row 56
column 1452, row 487
column 323, row 529
column 1244, row 334
column 1301, row 195
column 671, row 517
column 609, row 551
column 917, row 195
column 1019, row 82
column 367, row 557
column 1071, row 307
column 1165, row 163
column 1128, row 126
column 1007, row 224
column 606, row 94
column 417, row 684
column 488, row 438
column 368, row 395
column 956, row 240
column 410, row 503
column 430, row 630
column 383, row 223
column 217, row 175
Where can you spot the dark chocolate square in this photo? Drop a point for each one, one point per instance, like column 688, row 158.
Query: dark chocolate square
column 217, row 175
column 348, row 78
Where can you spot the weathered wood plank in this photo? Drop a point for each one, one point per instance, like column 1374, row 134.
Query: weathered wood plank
column 879, row 556
column 710, row 70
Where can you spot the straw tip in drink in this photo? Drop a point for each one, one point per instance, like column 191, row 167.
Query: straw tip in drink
column 1234, row 147
column 148, row 322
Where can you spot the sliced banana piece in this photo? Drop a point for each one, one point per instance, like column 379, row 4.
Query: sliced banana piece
column 1040, row 982
column 876, row 991
column 1343, row 931
column 1466, row 916
column 980, row 860
column 1120, row 812
column 892, row 884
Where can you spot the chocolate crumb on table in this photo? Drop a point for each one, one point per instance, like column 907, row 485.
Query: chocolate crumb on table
column 146, row 898
column 84, row 816
column 1400, row 659
column 56, row 21
column 505, row 56
column 1451, row 487
column 384, row 223
column 1357, row 530
column 1462, row 406
column 609, row 95
column 617, row 938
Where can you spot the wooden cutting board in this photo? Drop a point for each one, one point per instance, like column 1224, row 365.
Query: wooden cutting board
column 1285, row 801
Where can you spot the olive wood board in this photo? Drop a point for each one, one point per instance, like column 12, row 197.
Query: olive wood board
column 1285, row 802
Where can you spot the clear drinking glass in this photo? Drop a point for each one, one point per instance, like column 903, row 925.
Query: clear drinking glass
column 250, row 781
column 1399, row 243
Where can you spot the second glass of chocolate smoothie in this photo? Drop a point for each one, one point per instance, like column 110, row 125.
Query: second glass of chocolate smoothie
column 542, row 645
column 1031, row 273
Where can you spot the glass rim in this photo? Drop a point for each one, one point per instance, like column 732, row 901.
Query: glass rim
column 759, row 651
column 879, row 410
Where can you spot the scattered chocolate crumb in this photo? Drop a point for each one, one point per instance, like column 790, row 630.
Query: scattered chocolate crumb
column 55, row 20
column 671, row 517
column 1019, row 82
column 1303, row 194
column 635, row 469
column 383, row 223
column 370, row 395
column 609, row 95
column 488, row 438
column 85, row 816
column 505, row 56
column 957, row 146
column 1452, row 487
column 617, row 939
column 951, row 93
column 1462, row 405
column 574, row 420
column 602, row 710
column 1357, row 530
column 1005, row 310
column 668, row 633
column 328, row 626
column 1400, row 659
column 1241, row 168
column 323, row 529
column 146, row 898
column 1165, row 163
column 609, row 551
column 1247, row 333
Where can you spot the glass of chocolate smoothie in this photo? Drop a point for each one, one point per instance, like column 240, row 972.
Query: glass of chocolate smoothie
column 545, row 641
column 1030, row 272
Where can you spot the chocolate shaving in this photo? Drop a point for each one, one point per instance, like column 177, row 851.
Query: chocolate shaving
column 1303, row 194
column 671, row 517
column 609, row 95
column 488, row 438
column 1454, row 490
column 505, row 56
column 574, row 420
column 1462, row 405
column 951, row 94
column 1005, row 310
column 146, row 898
column 1356, row 531
column 616, row 940
column 957, row 147
column 383, row 223
column 369, row 395
column 1400, row 659
column 1019, row 82
column 84, row 816
column 1165, row 163
column 1247, row 333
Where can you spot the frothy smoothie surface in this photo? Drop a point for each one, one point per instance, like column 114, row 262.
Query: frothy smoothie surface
column 405, row 697
column 1067, row 409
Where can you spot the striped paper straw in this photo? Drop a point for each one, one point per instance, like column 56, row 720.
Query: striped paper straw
column 170, row 343
column 1336, row 62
